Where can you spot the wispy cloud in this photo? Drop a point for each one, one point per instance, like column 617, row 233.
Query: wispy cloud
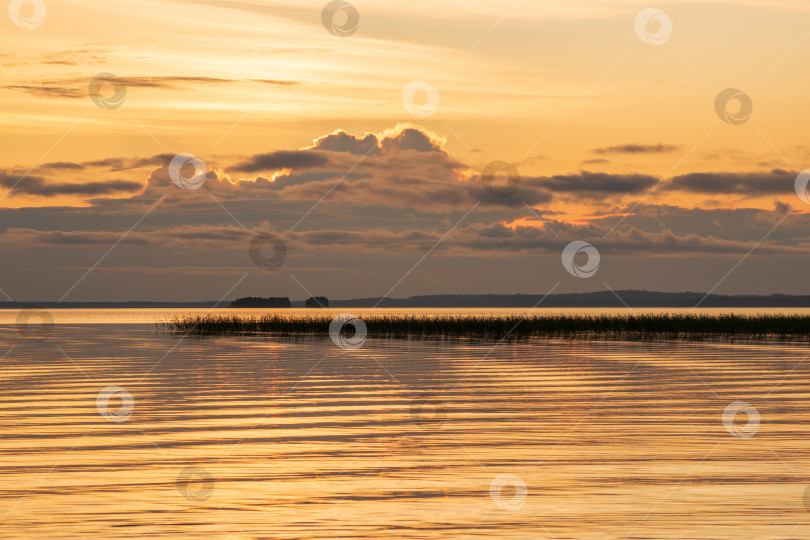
column 76, row 88
column 637, row 149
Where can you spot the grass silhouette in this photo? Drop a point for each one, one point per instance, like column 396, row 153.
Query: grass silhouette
column 644, row 326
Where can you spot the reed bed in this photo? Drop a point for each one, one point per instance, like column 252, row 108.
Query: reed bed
column 607, row 326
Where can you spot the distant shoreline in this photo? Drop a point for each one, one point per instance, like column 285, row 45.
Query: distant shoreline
column 602, row 299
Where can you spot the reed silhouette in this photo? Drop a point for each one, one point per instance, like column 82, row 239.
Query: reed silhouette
column 645, row 326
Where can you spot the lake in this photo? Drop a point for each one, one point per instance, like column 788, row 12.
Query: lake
column 111, row 429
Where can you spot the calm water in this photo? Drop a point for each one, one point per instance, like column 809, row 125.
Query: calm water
column 149, row 317
column 259, row 437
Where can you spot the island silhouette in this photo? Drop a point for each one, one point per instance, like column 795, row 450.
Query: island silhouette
column 599, row 299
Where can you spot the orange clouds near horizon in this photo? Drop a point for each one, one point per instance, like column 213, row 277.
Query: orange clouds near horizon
column 492, row 129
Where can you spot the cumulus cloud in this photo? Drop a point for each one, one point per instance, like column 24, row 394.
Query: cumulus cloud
column 406, row 167
column 397, row 191
column 403, row 137
column 340, row 141
column 409, row 138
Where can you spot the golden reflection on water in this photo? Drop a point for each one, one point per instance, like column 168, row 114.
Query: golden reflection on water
column 255, row 437
column 149, row 316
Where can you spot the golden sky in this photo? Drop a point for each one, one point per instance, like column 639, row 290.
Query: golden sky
column 507, row 73
column 565, row 90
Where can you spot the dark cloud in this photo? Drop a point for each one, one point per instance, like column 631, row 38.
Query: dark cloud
column 636, row 149
column 597, row 184
column 90, row 189
column 406, row 168
column 62, row 165
column 775, row 182
column 733, row 224
column 48, row 89
column 283, row 159
column 467, row 240
column 39, row 187
column 33, row 237
column 376, row 213
column 108, row 164
column 392, row 200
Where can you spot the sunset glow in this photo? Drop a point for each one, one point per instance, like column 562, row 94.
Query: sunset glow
column 614, row 129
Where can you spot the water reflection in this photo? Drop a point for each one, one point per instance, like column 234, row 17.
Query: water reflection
column 283, row 438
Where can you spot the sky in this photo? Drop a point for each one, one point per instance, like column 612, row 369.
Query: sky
column 205, row 150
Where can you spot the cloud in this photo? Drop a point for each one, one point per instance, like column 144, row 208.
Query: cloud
column 775, row 182
column 77, row 87
column 62, row 165
column 276, row 82
column 636, row 149
column 406, row 167
column 67, row 57
column 733, row 224
column 590, row 184
column 397, row 191
column 372, row 213
column 39, row 187
column 403, row 137
column 597, row 161
column 48, row 89
column 467, row 240
column 283, row 159
column 340, row 141
column 411, row 138
column 109, row 164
